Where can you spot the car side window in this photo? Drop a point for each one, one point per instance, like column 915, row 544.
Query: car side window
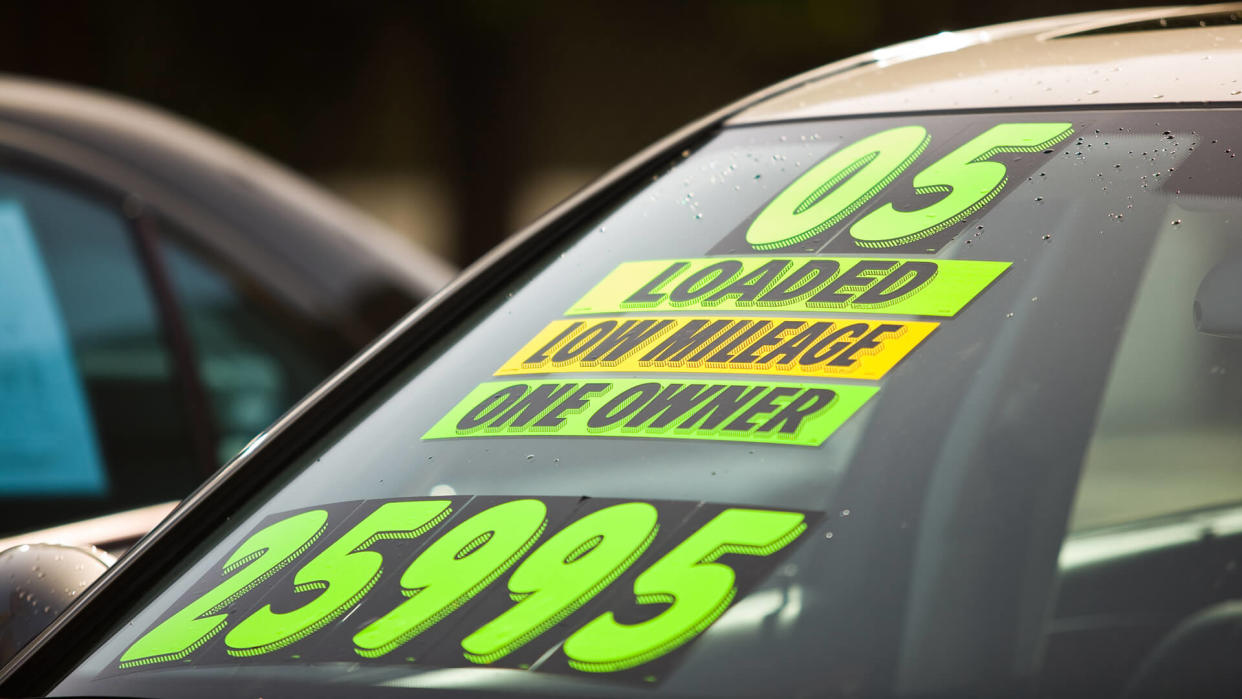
column 254, row 356
column 91, row 419
column 1168, row 437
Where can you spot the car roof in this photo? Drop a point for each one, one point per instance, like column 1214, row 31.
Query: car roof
column 251, row 192
column 1149, row 56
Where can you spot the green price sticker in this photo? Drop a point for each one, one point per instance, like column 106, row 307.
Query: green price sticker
column 548, row 584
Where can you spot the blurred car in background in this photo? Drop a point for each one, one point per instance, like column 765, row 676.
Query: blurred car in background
column 164, row 296
column 916, row 376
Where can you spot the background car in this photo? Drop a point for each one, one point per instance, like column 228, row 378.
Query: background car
column 915, row 376
column 166, row 295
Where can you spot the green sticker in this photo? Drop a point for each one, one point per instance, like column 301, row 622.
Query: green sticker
column 688, row 579
column 839, row 284
column 342, row 574
column 967, row 178
column 836, row 187
column 258, row 558
column 735, row 411
column 563, row 574
column 561, row 584
column 454, row 569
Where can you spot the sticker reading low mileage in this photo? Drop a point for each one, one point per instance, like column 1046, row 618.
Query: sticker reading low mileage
column 856, row 349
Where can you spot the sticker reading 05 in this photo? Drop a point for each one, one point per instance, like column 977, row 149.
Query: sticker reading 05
column 567, row 585
column 737, row 411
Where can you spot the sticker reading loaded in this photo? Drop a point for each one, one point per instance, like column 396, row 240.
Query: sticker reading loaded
column 736, row 411
column 568, row 585
column 855, row 349
column 843, row 284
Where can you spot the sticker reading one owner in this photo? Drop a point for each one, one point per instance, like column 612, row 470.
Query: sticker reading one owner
column 737, row 411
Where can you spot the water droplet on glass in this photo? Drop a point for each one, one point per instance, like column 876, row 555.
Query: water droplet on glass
column 1177, row 222
column 845, row 513
column 828, row 535
column 1047, row 237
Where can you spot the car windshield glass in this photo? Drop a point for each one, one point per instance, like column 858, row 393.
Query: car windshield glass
column 924, row 405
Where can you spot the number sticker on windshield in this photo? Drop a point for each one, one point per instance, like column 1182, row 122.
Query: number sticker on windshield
column 604, row 587
column 873, row 194
column 847, row 179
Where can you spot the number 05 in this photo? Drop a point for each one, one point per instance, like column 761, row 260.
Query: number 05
column 846, row 180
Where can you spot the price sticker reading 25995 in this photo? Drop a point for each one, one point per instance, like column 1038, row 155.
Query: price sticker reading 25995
column 550, row 584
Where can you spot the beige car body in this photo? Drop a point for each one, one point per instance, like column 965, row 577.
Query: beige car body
column 1072, row 60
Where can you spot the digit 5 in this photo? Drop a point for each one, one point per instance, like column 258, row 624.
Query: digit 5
column 688, row 579
column 966, row 175
column 343, row 572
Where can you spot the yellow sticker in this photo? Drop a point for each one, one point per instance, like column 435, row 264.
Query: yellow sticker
column 834, row 347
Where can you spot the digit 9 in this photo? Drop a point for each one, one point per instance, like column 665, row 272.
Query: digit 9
column 453, row 569
column 563, row 574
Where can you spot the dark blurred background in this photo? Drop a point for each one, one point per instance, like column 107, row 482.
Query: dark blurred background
column 458, row 122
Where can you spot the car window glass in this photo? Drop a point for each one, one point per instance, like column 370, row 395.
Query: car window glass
column 1148, row 569
column 253, row 359
column 48, row 441
column 1169, row 434
column 103, row 428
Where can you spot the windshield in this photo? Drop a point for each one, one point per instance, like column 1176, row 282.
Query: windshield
column 923, row 405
